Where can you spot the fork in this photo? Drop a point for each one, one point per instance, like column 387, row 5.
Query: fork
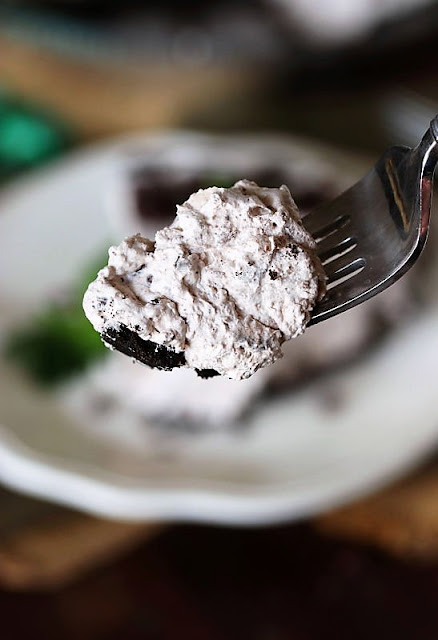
column 370, row 235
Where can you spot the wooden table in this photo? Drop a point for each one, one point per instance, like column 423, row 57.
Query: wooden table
column 206, row 583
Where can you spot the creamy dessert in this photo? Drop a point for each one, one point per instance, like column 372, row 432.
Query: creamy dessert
column 220, row 289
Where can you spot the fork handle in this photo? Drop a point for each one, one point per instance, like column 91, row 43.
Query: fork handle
column 434, row 128
column 427, row 150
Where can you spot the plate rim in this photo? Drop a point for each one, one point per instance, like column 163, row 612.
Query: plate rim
column 44, row 476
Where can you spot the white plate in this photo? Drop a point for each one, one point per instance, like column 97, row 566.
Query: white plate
column 294, row 458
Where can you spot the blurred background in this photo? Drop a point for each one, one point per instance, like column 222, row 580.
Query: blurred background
column 95, row 101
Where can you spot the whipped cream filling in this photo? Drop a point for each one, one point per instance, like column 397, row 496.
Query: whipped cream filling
column 233, row 277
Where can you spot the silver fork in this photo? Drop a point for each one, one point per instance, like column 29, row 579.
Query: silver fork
column 373, row 233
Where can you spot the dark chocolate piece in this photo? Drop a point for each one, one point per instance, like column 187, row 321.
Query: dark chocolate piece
column 158, row 192
column 145, row 351
column 207, row 373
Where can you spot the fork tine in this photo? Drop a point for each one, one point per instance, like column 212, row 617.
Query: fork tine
column 343, row 268
column 330, row 251
column 316, row 223
column 337, row 289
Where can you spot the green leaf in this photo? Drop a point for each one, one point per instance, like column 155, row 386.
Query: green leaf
column 59, row 342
